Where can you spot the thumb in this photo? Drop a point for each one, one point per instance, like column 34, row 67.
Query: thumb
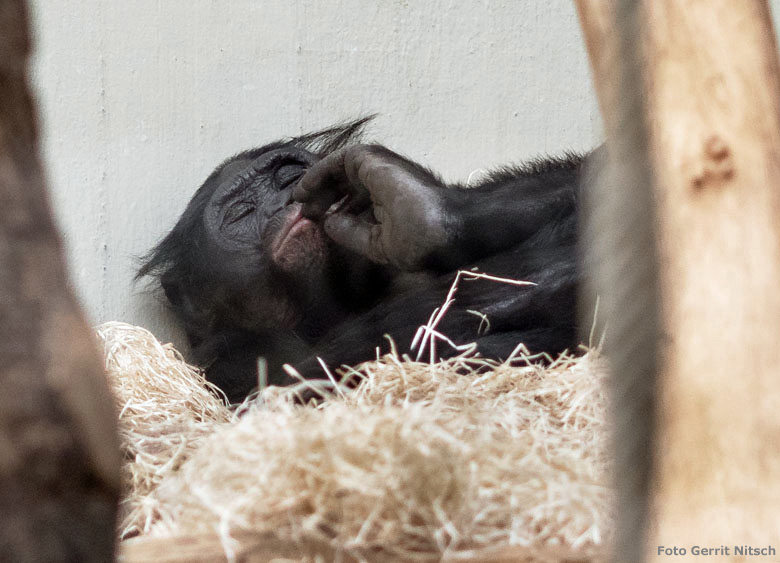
column 356, row 235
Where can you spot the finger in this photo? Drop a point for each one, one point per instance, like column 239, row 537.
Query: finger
column 315, row 206
column 322, row 185
column 356, row 235
column 378, row 170
column 315, row 209
column 321, row 176
column 358, row 202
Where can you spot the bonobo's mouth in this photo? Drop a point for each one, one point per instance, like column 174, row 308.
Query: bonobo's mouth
column 294, row 225
column 298, row 238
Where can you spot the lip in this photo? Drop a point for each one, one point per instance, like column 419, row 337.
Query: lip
column 296, row 223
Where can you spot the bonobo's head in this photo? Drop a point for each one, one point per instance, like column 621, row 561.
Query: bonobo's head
column 242, row 257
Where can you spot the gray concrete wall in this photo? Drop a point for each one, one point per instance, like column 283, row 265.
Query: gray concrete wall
column 140, row 100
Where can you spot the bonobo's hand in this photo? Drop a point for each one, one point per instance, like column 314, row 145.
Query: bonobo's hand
column 410, row 225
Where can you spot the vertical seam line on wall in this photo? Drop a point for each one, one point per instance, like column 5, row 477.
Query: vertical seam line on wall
column 102, row 224
column 300, row 29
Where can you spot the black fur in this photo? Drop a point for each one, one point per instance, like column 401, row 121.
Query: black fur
column 238, row 298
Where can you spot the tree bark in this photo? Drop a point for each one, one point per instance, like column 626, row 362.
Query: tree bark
column 59, row 454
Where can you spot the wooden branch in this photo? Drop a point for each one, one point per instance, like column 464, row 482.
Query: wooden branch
column 59, row 454
column 712, row 99
column 714, row 95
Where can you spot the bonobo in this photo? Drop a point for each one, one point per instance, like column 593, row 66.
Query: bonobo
column 318, row 246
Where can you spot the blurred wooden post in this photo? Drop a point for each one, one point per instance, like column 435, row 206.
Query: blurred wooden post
column 59, row 454
column 620, row 258
column 712, row 101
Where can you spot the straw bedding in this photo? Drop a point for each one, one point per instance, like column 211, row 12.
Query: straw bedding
column 418, row 461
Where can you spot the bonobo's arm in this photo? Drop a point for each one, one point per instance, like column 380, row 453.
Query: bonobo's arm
column 542, row 315
column 421, row 223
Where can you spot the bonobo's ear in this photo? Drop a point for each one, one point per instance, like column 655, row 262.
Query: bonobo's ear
column 191, row 317
column 172, row 290
column 182, row 303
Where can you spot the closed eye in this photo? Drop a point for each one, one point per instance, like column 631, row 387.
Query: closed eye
column 238, row 212
column 287, row 174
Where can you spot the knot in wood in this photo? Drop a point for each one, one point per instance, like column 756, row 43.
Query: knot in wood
column 717, row 165
column 716, row 149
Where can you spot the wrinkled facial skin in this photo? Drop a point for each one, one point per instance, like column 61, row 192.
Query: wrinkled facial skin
column 255, row 263
column 266, row 265
column 252, row 223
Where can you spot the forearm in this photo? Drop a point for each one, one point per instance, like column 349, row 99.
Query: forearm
column 488, row 219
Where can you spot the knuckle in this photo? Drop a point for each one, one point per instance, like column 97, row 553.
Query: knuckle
column 359, row 155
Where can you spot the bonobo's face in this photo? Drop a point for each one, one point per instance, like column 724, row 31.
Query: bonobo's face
column 242, row 257
column 252, row 224
column 263, row 264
